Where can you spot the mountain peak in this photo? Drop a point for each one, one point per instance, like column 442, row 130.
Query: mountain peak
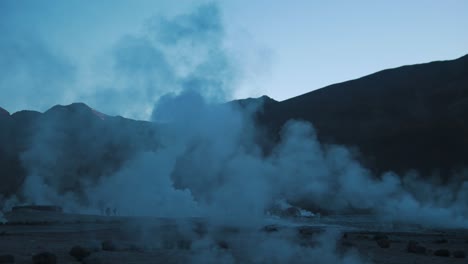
column 264, row 99
column 4, row 112
column 76, row 108
column 254, row 104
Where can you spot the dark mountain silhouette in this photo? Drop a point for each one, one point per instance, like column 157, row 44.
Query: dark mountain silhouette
column 76, row 142
column 255, row 104
column 3, row 113
column 408, row 118
column 411, row 117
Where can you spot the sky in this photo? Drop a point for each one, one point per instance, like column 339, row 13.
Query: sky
column 117, row 57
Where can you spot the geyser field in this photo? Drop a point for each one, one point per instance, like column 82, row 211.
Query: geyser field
column 75, row 238
column 371, row 170
column 198, row 188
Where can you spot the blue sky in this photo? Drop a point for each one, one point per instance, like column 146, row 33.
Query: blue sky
column 64, row 51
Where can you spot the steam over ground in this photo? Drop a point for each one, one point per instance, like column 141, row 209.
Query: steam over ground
column 209, row 163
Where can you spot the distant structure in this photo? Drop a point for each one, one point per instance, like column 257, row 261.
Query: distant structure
column 43, row 208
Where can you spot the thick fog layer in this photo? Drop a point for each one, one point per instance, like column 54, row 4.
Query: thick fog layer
column 208, row 163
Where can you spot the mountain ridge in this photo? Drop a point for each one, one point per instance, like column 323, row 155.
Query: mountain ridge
column 399, row 104
column 463, row 58
column 413, row 117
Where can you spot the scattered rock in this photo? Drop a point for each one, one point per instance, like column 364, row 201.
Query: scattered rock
column 7, row 259
column 414, row 247
column 380, row 237
column 442, row 253
column 223, row 245
column 136, row 248
column 44, row 258
column 363, row 237
column 459, row 254
column 79, row 253
column 383, row 243
column 382, row 240
column 308, row 231
column 93, row 260
column 108, row 245
column 270, row 228
column 441, row 241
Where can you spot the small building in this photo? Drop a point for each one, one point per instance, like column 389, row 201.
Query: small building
column 42, row 208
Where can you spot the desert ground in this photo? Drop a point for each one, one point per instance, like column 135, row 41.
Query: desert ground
column 114, row 239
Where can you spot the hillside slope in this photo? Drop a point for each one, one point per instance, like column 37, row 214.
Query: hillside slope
column 408, row 118
column 411, row 117
column 69, row 143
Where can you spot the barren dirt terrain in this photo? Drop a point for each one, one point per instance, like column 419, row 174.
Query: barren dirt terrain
column 149, row 240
